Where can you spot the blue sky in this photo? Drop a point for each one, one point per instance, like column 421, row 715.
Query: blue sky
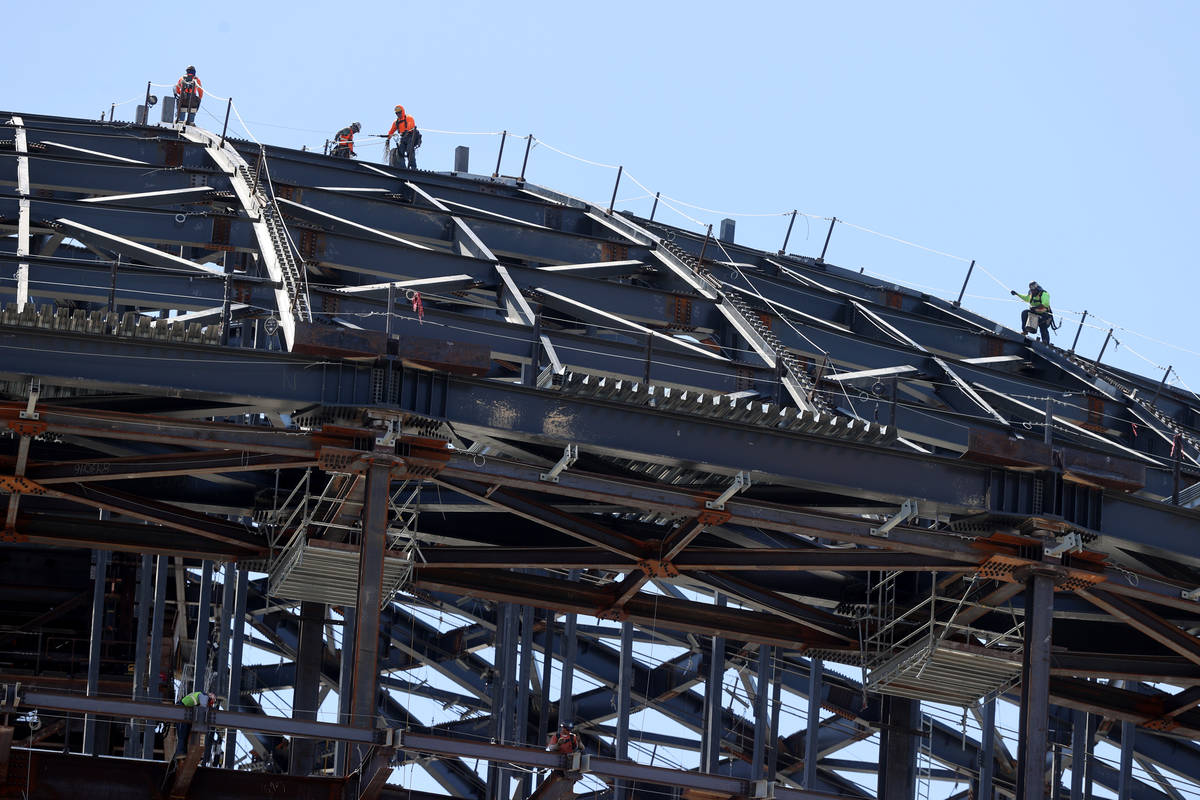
column 1055, row 141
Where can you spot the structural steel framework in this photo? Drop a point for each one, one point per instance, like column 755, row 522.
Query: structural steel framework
column 464, row 443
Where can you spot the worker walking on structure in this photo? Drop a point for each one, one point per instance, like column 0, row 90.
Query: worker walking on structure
column 188, row 94
column 407, row 141
column 343, row 141
column 1038, row 315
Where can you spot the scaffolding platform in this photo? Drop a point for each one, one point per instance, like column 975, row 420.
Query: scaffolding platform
column 946, row 672
column 327, row 572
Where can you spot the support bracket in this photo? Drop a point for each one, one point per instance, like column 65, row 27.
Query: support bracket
column 907, row 511
column 741, row 481
column 570, row 454
column 1190, row 594
column 1071, row 543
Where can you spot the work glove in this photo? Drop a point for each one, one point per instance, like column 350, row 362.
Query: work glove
column 1013, row 292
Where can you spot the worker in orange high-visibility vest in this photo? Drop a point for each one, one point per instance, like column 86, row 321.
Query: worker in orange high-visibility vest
column 407, row 142
column 188, row 94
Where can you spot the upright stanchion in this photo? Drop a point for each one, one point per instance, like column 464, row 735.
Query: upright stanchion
column 112, row 113
column 225, row 127
column 1048, row 427
column 226, row 304
column 525, row 161
column 391, row 305
column 703, row 247
column 1104, row 346
column 112, row 284
column 825, row 248
column 963, row 290
column 500, row 155
column 146, row 120
column 1177, row 454
column 1161, row 384
column 788, row 235
column 654, row 207
column 613, row 201
column 649, row 357
column 1078, row 331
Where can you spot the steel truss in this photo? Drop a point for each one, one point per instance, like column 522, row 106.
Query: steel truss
column 568, row 435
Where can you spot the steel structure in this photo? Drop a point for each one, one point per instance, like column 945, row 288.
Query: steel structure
column 441, row 440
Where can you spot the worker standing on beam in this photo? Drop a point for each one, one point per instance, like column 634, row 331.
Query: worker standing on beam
column 343, row 141
column 188, row 94
column 1038, row 315
column 407, row 142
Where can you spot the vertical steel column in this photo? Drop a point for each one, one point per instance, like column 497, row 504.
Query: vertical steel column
column 812, row 743
column 345, row 687
column 1035, row 687
column 710, row 739
column 233, row 691
column 154, row 667
column 898, row 748
column 1079, row 750
column 225, row 625
column 762, row 721
column 624, row 703
column 547, row 676
column 508, row 730
column 776, row 707
column 141, row 653
column 203, row 610
column 499, row 699
column 1125, row 776
column 307, row 688
column 370, row 595
column 523, row 675
column 99, row 583
column 566, row 703
column 987, row 751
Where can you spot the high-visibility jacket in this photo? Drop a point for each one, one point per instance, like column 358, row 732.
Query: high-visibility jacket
column 403, row 124
column 195, row 699
column 1038, row 301
column 189, row 91
column 344, row 138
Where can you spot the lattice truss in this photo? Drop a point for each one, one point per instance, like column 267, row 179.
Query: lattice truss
column 557, row 462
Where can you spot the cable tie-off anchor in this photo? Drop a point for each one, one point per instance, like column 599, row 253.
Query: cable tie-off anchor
column 570, row 453
column 907, row 512
column 741, row 481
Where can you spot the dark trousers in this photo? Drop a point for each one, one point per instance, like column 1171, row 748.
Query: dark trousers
column 340, row 151
column 185, row 110
column 406, row 148
column 1032, row 320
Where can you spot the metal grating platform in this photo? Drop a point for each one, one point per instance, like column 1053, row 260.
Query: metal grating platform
column 946, row 672
column 327, row 572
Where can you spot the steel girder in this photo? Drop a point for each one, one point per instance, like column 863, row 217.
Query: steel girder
column 396, row 224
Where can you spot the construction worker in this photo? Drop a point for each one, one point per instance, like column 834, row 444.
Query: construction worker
column 343, row 141
column 407, row 142
column 188, row 94
column 1038, row 315
column 566, row 741
column 184, row 729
